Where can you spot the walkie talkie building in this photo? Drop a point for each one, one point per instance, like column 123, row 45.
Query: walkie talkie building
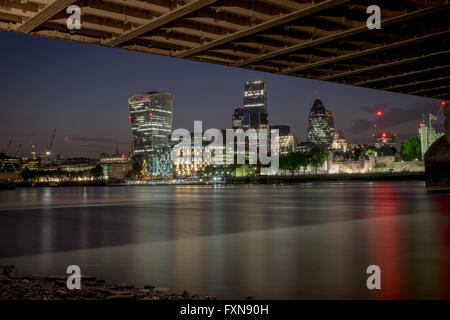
column 150, row 114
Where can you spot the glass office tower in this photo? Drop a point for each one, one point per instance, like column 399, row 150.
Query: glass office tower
column 255, row 95
column 253, row 114
column 320, row 125
column 150, row 114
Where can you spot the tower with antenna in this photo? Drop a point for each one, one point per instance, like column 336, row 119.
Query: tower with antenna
column 427, row 133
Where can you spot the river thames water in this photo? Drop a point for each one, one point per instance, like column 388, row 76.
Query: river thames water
column 296, row 241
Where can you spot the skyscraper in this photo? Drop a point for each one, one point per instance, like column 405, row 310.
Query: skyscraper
column 253, row 114
column 255, row 95
column 283, row 130
column 150, row 114
column 320, row 125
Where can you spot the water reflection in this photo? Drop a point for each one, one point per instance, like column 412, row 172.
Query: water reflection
column 293, row 241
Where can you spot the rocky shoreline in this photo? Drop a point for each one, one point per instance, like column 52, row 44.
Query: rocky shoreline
column 14, row 286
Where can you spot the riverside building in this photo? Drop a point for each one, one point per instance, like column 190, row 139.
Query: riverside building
column 150, row 114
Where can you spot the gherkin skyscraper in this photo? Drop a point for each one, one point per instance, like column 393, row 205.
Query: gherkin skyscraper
column 320, row 125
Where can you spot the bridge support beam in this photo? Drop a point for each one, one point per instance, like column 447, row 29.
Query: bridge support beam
column 437, row 158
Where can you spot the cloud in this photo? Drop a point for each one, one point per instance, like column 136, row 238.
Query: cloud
column 394, row 116
column 401, row 120
column 97, row 140
column 358, row 126
column 92, row 145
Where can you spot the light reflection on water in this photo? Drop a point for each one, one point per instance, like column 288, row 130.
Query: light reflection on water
column 292, row 241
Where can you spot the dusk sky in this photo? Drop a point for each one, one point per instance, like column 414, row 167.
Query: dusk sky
column 81, row 91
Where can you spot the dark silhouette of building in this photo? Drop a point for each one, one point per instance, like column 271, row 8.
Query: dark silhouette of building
column 283, row 130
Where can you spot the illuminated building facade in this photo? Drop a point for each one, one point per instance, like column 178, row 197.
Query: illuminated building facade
column 255, row 95
column 29, row 164
column 115, row 167
column 150, row 114
column 191, row 168
column 385, row 139
column 304, row 146
column 286, row 141
column 253, row 114
column 339, row 142
column 46, row 159
column 78, row 164
column 249, row 118
column 186, row 168
column 340, row 162
column 160, row 163
column 428, row 134
column 320, row 125
column 10, row 164
column 286, row 144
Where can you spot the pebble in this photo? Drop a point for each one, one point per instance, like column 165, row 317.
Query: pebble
column 39, row 287
column 125, row 286
column 61, row 293
column 162, row 290
column 61, row 283
column 55, row 278
column 9, row 270
column 121, row 297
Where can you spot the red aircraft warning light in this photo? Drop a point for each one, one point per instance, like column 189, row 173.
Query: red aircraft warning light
column 379, row 113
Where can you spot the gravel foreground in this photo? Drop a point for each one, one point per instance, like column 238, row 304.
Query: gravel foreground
column 14, row 286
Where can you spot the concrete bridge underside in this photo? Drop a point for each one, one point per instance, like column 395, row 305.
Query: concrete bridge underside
column 324, row 40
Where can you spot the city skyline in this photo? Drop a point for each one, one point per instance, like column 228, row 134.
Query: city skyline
column 224, row 155
column 91, row 116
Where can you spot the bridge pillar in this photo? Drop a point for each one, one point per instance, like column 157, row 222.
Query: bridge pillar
column 437, row 158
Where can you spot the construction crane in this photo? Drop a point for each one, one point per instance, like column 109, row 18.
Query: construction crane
column 443, row 103
column 7, row 147
column 49, row 146
column 378, row 135
column 18, row 149
column 376, row 129
column 382, row 137
column 432, row 117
